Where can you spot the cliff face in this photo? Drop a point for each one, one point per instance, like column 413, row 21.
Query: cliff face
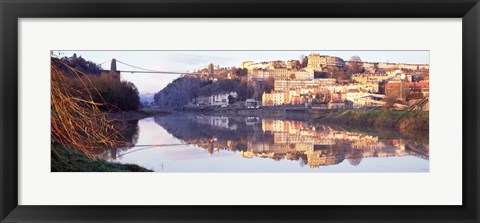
column 178, row 93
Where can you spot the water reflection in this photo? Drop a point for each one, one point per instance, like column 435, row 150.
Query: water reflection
column 128, row 132
column 286, row 139
column 236, row 140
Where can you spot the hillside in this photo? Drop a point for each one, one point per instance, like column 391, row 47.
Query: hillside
column 178, row 93
column 181, row 91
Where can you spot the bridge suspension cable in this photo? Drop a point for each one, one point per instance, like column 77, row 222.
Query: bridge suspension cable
column 152, row 72
column 148, row 71
column 103, row 62
column 144, row 69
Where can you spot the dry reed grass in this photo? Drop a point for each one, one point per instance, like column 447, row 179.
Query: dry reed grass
column 76, row 120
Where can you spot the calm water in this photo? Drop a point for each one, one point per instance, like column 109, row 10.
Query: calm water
column 199, row 143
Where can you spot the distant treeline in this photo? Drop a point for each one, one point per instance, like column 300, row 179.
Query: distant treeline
column 110, row 93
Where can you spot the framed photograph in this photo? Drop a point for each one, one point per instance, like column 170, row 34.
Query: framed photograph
column 228, row 111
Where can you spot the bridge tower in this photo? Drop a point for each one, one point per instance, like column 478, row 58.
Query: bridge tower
column 113, row 70
column 113, row 65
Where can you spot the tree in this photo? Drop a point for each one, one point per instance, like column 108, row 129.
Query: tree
column 240, row 72
column 76, row 65
column 244, row 89
column 278, row 64
column 304, row 61
column 355, row 65
column 84, row 76
column 376, row 68
column 355, row 58
column 269, row 84
column 338, row 73
column 111, row 94
column 389, row 102
column 295, row 64
column 318, row 98
column 292, row 76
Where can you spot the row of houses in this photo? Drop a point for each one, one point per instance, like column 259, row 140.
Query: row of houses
column 298, row 92
column 407, row 90
column 261, row 74
column 399, row 66
column 279, row 70
column 287, row 97
column 360, row 95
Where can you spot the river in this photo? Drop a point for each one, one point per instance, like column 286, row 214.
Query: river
column 200, row 143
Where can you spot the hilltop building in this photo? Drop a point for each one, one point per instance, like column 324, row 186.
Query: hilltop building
column 318, row 62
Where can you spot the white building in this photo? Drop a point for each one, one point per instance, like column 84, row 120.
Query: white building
column 217, row 99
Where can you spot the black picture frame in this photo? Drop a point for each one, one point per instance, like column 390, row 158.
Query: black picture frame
column 12, row 10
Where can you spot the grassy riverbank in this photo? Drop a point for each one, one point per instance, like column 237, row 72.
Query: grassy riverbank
column 63, row 160
column 66, row 160
column 403, row 120
column 407, row 120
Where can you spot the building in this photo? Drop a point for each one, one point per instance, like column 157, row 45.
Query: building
column 258, row 74
column 281, row 85
column 251, row 65
column 322, row 82
column 216, row 99
column 292, row 64
column 403, row 89
column 340, row 104
column 317, row 158
column 318, row 62
column 205, row 100
column 304, row 74
column 252, row 103
column 280, row 74
column 370, row 78
column 245, row 64
column 362, row 98
column 220, row 99
column 298, row 96
column 274, row 98
column 335, row 61
column 371, row 88
column 400, row 66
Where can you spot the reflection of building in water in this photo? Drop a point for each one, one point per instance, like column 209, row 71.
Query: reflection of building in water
column 216, row 121
column 323, row 145
column 251, row 121
column 311, row 145
column 316, row 159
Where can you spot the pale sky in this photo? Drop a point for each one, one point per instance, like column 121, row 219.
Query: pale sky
column 183, row 61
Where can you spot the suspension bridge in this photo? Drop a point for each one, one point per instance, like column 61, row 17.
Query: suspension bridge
column 140, row 70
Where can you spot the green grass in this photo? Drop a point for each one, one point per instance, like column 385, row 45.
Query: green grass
column 65, row 160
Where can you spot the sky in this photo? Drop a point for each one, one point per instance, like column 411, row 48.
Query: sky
column 185, row 61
